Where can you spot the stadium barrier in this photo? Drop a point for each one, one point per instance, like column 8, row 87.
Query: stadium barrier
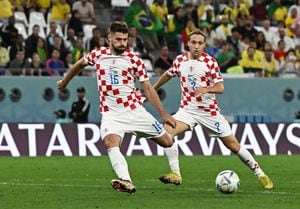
column 50, row 139
column 34, row 99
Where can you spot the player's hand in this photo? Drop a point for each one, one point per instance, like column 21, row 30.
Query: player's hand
column 61, row 85
column 199, row 91
column 170, row 120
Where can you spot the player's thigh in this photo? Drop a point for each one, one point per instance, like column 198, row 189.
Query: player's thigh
column 111, row 125
column 185, row 120
column 180, row 128
column 145, row 124
column 214, row 125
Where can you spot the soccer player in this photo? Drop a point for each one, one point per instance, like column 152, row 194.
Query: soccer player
column 121, row 103
column 200, row 80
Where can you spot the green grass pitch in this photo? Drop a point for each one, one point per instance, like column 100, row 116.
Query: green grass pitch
column 84, row 183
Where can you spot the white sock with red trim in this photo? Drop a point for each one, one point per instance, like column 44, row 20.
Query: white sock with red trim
column 249, row 160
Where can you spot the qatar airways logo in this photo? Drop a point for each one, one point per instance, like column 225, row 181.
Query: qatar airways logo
column 84, row 140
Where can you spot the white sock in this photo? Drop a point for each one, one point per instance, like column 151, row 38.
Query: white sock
column 118, row 163
column 249, row 160
column 172, row 154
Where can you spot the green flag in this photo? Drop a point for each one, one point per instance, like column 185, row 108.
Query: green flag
column 145, row 24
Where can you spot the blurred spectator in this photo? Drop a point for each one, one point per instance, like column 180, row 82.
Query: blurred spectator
column 41, row 50
column 258, row 54
column 9, row 32
column 223, row 30
column 54, row 65
column 60, row 12
column 163, row 62
column 17, row 65
column 159, row 9
column 230, row 11
column 289, row 22
column 206, row 12
column 190, row 13
column 70, row 39
column 258, row 12
column 234, row 42
column 289, row 43
column 212, row 41
column 190, row 26
column 269, row 63
column 175, row 26
column 260, row 40
column 86, row 11
column 248, row 30
column 18, row 45
column 61, row 116
column 50, row 36
column 268, row 31
column 4, row 58
column 79, row 50
column 80, row 108
column 226, row 57
column 276, row 12
column 69, row 61
column 173, row 4
column 297, row 117
column 38, row 5
column 290, row 66
column 32, row 40
column 6, row 11
column 132, row 45
column 250, row 64
column 279, row 52
column 93, row 43
column 297, row 6
column 75, row 23
column 58, row 44
column 146, row 23
column 101, row 41
column 36, row 67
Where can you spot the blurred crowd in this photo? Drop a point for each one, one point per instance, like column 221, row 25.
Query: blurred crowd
column 255, row 37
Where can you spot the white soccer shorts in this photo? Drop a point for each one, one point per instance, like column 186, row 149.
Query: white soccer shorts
column 137, row 121
column 215, row 125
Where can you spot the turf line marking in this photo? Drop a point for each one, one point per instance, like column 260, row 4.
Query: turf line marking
column 142, row 187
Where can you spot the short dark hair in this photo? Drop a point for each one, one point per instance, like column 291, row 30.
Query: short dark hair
column 118, row 27
column 198, row 32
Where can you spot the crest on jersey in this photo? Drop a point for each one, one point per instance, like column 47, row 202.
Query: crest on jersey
column 191, row 69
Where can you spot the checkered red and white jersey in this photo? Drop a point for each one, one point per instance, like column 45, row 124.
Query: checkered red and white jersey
column 203, row 72
column 116, row 76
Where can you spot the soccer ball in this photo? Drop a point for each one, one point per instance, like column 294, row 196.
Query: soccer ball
column 227, row 182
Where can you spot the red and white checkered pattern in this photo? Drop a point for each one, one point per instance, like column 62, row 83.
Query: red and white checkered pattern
column 116, row 75
column 203, row 72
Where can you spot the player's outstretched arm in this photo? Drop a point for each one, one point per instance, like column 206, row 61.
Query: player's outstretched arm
column 62, row 84
column 152, row 96
column 164, row 78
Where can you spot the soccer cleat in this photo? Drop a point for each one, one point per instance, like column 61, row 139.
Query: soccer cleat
column 123, row 186
column 266, row 182
column 171, row 178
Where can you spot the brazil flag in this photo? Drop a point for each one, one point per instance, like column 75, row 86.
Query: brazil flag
column 145, row 23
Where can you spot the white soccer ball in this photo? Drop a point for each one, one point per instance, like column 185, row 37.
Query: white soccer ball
column 227, row 182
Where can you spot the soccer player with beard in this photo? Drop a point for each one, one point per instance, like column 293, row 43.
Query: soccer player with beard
column 200, row 80
column 121, row 103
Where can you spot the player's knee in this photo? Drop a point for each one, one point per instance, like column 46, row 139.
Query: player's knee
column 167, row 140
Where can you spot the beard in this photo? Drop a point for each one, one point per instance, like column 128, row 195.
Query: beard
column 119, row 50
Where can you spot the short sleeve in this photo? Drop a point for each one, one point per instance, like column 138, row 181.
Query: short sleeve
column 215, row 71
column 174, row 70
